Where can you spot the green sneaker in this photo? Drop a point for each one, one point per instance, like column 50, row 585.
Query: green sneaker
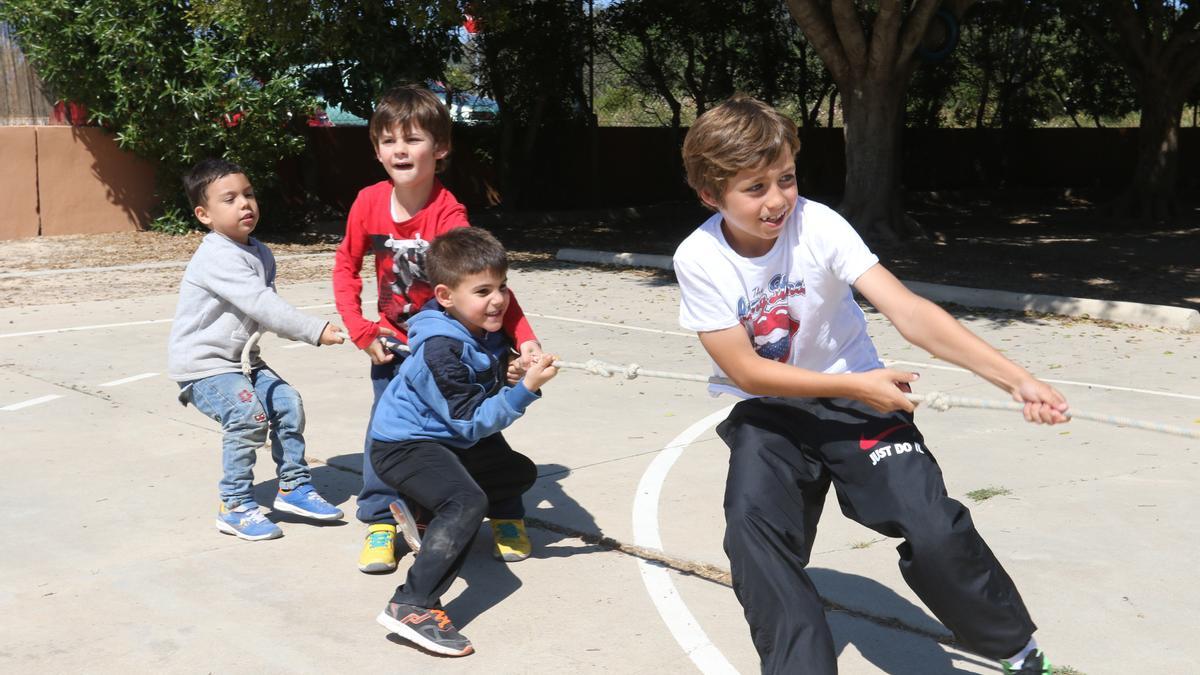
column 1034, row 664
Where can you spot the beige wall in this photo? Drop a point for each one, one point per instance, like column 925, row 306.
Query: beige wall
column 87, row 184
column 70, row 180
column 18, row 182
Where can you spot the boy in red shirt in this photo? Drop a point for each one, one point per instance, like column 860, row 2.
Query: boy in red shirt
column 395, row 220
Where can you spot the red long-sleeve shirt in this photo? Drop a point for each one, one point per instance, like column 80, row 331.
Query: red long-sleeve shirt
column 399, row 249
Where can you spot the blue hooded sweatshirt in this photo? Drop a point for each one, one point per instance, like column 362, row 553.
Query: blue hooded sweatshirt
column 451, row 388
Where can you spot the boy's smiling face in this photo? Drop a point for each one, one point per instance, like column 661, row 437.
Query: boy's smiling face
column 478, row 300
column 230, row 207
column 409, row 155
column 756, row 204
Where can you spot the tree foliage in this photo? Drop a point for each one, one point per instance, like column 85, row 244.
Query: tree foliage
column 692, row 55
column 173, row 83
column 354, row 50
column 1158, row 45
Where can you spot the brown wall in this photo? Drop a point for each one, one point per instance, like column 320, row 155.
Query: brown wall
column 18, row 182
column 88, row 185
column 70, row 180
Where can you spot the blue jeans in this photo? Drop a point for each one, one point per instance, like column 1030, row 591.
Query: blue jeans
column 250, row 411
column 375, row 496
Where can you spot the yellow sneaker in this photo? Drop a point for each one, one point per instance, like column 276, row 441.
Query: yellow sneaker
column 512, row 543
column 378, row 553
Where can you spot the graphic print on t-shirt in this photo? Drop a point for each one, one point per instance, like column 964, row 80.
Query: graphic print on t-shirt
column 766, row 317
column 404, row 287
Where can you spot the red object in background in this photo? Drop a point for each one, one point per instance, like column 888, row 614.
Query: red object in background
column 319, row 118
column 471, row 24
column 69, row 113
column 231, row 121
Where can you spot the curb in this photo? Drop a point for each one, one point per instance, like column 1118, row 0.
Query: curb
column 1159, row 316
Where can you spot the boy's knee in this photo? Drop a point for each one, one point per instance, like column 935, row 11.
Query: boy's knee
column 475, row 505
column 941, row 529
column 744, row 524
column 250, row 423
column 527, row 472
column 467, row 505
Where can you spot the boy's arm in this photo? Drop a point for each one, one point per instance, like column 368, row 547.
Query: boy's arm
column 465, row 407
column 709, row 311
column 236, row 282
column 753, row 374
column 929, row 327
column 516, row 325
column 347, row 279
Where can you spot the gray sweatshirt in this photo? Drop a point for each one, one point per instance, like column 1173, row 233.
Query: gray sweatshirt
column 227, row 294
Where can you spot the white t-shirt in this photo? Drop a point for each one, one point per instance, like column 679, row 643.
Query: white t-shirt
column 795, row 302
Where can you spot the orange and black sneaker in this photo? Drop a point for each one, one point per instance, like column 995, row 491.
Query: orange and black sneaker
column 428, row 628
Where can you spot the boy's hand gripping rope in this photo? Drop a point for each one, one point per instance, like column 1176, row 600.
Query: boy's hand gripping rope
column 936, row 400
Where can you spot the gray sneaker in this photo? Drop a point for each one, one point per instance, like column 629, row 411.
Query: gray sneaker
column 425, row 627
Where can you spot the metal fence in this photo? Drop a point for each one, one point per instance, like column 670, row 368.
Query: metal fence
column 23, row 98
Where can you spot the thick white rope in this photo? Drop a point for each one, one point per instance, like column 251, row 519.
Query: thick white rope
column 247, row 367
column 936, row 400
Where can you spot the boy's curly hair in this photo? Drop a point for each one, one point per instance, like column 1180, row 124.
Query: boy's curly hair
column 411, row 106
column 740, row 133
column 461, row 252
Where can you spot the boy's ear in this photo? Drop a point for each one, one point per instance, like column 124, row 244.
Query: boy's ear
column 442, row 293
column 707, row 198
column 201, row 214
column 440, row 152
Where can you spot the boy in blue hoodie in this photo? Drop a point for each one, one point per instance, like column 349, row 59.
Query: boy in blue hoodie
column 435, row 434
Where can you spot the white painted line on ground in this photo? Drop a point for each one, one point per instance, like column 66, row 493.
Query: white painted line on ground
column 609, row 325
column 79, row 328
column 147, row 322
column 679, row 619
column 127, row 380
column 138, row 266
column 1112, row 387
column 30, row 402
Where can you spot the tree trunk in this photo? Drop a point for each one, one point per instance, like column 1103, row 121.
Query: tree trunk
column 872, row 114
column 1152, row 197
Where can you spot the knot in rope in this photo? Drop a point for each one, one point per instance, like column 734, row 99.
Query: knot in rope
column 597, row 367
column 631, row 371
column 938, row 401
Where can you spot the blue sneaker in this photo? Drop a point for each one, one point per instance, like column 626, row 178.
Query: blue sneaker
column 246, row 521
column 304, row 501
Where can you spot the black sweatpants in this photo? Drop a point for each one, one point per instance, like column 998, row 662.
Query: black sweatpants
column 459, row 487
column 785, row 452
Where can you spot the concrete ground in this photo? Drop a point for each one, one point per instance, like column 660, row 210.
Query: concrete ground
column 111, row 562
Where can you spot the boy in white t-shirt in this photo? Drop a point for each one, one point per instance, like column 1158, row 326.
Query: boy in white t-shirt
column 766, row 283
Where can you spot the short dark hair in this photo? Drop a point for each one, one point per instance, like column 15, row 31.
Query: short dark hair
column 408, row 106
column 197, row 180
column 463, row 251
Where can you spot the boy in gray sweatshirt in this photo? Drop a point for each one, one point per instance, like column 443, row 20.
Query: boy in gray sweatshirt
column 228, row 294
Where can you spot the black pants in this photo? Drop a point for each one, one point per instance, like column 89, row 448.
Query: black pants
column 784, row 455
column 459, row 487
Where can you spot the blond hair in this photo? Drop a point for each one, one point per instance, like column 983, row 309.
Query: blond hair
column 740, row 133
column 412, row 106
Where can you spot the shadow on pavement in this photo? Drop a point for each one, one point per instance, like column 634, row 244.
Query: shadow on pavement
column 871, row 638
